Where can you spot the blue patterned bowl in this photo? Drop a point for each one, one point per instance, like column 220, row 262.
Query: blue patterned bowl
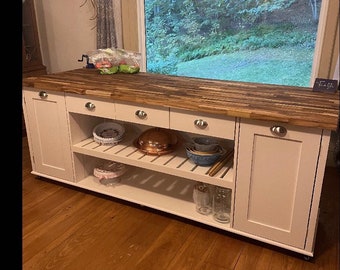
column 204, row 159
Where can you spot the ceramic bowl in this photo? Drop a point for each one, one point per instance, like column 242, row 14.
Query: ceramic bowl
column 204, row 159
column 108, row 133
column 205, row 144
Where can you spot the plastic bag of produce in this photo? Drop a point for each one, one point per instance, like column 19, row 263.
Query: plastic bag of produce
column 112, row 60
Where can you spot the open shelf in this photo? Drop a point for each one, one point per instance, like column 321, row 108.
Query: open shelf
column 157, row 190
column 162, row 182
column 175, row 163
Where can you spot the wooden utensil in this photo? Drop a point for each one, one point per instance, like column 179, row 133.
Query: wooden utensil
column 214, row 169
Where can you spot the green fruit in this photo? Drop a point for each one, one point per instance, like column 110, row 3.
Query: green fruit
column 111, row 70
column 128, row 69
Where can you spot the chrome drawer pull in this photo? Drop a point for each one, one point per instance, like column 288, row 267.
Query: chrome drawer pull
column 43, row 94
column 141, row 114
column 200, row 123
column 278, row 130
column 90, row 106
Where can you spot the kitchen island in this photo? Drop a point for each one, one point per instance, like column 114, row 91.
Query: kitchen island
column 280, row 137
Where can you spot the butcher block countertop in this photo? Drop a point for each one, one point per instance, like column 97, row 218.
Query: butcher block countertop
column 298, row 106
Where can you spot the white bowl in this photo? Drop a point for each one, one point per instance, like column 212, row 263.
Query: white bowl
column 108, row 133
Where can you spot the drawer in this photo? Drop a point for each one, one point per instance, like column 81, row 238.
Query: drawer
column 142, row 114
column 203, row 123
column 90, row 106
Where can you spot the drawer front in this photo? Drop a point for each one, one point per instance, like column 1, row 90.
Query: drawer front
column 90, row 106
column 143, row 114
column 203, row 123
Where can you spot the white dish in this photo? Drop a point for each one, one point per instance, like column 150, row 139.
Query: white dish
column 108, row 133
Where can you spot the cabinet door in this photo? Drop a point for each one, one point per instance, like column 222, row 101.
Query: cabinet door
column 275, row 179
column 47, row 131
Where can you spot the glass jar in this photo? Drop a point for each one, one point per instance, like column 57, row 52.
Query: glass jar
column 221, row 204
column 202, row 198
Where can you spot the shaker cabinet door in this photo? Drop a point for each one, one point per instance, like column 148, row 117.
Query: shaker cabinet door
column 276, row 171
column 48, row 136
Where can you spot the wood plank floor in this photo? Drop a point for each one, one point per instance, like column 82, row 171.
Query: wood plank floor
column 68, row 228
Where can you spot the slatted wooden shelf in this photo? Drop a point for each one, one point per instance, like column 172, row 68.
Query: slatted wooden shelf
column 175, row 163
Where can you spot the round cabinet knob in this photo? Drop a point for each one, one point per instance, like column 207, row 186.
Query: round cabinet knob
column 278, row 130
column 141, row 114
column 90, row 106
column 200, row 123
column 43, row 94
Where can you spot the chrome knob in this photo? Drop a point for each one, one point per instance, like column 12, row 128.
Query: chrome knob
column 200, row 123
column 141, row 114
column 43, row 94
column 90, row 106
column 278, row 130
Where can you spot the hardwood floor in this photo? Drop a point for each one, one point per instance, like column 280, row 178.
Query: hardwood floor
column 68, row 228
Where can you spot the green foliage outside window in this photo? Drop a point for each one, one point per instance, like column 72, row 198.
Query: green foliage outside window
column 178, row 32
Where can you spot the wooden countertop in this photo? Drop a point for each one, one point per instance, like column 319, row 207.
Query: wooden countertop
column 298, row 106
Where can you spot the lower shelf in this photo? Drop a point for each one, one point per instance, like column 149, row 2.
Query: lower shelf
column 156, row 190
column 167, row 193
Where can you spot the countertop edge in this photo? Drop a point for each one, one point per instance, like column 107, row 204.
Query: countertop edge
column 236, row 99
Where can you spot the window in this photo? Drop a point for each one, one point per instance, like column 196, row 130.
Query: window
column 268, row 42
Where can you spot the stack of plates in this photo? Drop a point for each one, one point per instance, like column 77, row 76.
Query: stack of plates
column 108, row 133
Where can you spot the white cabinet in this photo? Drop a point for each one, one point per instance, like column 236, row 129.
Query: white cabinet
column 47, row 130
column 275, row 179
column 276, row 176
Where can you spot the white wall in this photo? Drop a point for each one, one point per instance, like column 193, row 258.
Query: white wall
column 66, row 31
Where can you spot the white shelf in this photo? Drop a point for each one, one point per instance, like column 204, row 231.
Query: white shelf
column 157, row 190
column 175, row 163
